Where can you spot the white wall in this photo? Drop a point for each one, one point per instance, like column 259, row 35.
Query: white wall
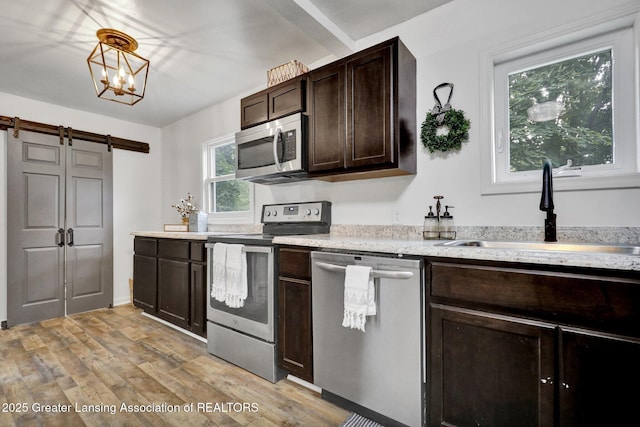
column 446, row 43
column 182, row 153
column 136, row 182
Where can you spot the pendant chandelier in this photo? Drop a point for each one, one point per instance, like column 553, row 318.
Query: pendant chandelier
column 117, row 72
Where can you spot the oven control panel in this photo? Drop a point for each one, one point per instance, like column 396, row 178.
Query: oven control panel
column 297, row 212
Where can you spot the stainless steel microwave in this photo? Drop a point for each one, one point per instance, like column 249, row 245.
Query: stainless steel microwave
column 273, row 152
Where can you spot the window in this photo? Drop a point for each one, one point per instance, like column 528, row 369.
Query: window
column 228, row 199
column 563, row 112
column 570, row 99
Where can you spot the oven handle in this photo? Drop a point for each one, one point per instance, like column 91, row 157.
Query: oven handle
column 275, row 149
column 376, row 274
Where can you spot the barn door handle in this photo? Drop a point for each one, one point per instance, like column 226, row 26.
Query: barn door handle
column 60, row 237
column 70, row 233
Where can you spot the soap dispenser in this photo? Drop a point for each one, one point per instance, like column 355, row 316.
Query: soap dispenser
column 431, row 230
column 447, row 230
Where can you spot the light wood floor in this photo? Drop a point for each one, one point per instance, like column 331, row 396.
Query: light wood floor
column 92, row 363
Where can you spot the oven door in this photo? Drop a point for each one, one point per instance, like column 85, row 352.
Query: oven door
column 256, row 317
column 272, row 148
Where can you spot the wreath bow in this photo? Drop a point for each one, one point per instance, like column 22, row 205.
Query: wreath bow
column 444, row 115
column 439, row 110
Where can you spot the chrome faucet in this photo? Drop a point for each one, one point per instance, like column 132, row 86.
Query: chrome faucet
column 546, row 203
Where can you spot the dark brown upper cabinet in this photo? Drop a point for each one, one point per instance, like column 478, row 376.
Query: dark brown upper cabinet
column 362, row 114
column 277, row 101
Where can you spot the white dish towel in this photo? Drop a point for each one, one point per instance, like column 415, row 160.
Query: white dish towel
column 236, row 275
column 218, row 281
column 359, row 297
column 229, row 281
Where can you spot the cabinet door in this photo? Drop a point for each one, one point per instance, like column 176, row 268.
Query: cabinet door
column 295, row 351
column 596, row 373
column 369, row 108
column 144, row 283
column 198, row 299
column 286, row 99
column 173, row 291
column 490, row 371
column 326, row 107
column 253, row 110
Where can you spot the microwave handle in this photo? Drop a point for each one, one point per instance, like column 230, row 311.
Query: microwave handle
column 275, row 149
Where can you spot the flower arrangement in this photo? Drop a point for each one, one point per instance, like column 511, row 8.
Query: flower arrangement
column 185, row 207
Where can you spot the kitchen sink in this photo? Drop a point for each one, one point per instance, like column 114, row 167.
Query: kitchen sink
column 547, row 246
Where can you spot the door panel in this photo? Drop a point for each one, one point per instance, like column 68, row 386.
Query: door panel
column 85, row 271
column 89, row 215
column 42, row 174
column 42, row 199
column 88, row 195
column 35, row 193
column 42, row 273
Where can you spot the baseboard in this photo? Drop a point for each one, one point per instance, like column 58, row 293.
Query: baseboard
column 121, row 301
column 304, row 383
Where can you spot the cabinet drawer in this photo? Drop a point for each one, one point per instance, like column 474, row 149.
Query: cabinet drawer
column 168, row 248
column 295, row 262
column 602, row 301
column 145, row 246
column 197, row 252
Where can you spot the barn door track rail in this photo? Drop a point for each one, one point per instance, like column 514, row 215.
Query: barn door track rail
column 18, row 124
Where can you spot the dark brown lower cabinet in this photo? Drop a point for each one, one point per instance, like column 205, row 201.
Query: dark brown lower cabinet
column 169, row 281
column 597, row 377
column 198, row 298
column 489, row 370
column 145, row 274
column 145, row 289
column 523, row 345
column 295, row 341
column 174, row 291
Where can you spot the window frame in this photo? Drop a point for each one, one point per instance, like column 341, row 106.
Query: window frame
column 618, row 31
column 208, row 173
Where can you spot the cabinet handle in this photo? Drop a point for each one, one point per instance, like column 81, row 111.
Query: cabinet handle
column 565, row 386
column 60, row 237
column 380, row 274
column 70, row 233
column 547, row 380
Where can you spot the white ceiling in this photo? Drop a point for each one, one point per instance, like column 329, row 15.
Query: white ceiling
column 202, row 52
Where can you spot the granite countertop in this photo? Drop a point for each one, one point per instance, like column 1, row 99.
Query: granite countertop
column 186, row 235
column 432, row 249
column 400, row 245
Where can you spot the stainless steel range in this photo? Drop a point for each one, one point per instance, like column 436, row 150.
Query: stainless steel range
column 246, row 335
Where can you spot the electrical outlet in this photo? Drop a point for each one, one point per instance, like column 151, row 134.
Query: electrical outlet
column 396, row 216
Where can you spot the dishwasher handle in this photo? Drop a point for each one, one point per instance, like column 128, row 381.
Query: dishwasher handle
column 376, row 274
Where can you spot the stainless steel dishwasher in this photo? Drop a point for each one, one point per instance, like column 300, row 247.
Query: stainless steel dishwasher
column 379, row 373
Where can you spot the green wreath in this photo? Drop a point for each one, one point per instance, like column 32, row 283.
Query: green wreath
column 458, row 131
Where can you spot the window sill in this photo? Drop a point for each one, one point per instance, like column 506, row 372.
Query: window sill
column 574, row 183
